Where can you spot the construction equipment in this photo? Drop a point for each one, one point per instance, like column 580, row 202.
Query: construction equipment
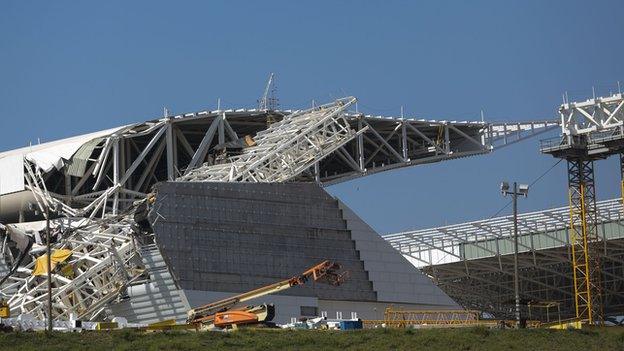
column 5, row 311
column 400, row 318
column 268, row 101
column 229, row 312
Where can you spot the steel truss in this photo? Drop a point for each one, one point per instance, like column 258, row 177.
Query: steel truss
column 109, row 173
column 584, row 240
column 286, row 148
column 103, row 263
column 473, row 262
column 596, row 114
column 405, row 318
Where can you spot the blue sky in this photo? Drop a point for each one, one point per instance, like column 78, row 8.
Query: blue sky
column 71, row 67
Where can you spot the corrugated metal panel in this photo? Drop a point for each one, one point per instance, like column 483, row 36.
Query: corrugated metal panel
column 78, row 163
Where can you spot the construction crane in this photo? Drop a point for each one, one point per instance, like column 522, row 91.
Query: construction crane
column 231, row 312
column 268, row 101
column 591, row 130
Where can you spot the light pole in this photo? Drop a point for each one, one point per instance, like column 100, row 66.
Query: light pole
column 49, row 250
column 523, row 190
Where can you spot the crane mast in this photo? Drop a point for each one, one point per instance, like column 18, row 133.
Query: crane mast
column 268, row 101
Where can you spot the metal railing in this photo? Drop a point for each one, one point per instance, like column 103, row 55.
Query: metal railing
column 552, row 142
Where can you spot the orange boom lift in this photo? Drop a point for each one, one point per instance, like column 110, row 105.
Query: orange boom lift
column 231, row 312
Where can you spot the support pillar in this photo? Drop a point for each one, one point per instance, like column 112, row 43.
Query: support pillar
column 170, row 151
column 116, row 177
column 360, row 146
column 622, row 177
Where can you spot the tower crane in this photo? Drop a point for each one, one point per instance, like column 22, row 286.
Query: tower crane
column 591, row 130
column 268, row 101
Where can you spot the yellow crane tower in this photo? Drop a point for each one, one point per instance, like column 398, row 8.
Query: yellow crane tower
column 591, row 130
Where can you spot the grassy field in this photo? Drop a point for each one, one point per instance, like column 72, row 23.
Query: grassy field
column 449, row 339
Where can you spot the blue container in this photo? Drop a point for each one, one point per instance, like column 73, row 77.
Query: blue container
column 350, row 325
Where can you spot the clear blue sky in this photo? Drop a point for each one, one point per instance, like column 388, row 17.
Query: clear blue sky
column 71, row 67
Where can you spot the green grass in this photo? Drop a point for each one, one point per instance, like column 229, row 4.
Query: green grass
column 429, row 340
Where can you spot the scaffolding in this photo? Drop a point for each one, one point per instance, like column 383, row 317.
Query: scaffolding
column 400, row 318
column 545, row 305
column 473, row 262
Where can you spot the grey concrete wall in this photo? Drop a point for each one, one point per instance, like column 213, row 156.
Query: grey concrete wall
column 239, row 236
column 220, row 239
column 393, row 277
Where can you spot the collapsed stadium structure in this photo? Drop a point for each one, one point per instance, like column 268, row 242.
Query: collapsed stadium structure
column 171, row 213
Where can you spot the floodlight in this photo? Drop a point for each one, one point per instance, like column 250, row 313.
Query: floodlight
column 523, row 189
column 504, row 187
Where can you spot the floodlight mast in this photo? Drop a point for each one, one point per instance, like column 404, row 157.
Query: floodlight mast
column 523, row 190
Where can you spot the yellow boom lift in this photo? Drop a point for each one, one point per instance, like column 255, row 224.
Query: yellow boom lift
column 231, row 312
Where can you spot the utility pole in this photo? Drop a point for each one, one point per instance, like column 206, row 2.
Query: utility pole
column 517, row 190
column 516, row 283
column 49, row 250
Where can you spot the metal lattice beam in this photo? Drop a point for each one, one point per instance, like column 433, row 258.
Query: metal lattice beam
column 585, row 241
column 596, row 114
column 102, row 264
column 286, row 148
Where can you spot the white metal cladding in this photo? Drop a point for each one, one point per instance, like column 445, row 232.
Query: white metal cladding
column 11, row 174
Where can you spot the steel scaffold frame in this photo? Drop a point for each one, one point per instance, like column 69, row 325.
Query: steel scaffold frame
column 473, row 262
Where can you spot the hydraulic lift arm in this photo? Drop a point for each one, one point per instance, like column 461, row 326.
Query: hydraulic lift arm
column 324, row 272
